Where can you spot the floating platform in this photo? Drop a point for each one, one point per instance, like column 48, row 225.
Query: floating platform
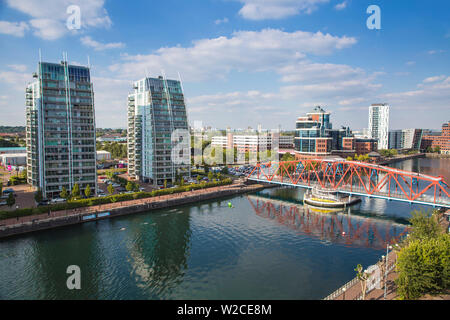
column 327, row 198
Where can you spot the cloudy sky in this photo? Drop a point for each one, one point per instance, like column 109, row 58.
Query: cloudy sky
column 242, row 62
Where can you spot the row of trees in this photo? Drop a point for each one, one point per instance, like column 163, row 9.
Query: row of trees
column 117, row 150
column 436, row 149
column 360, row 157
column 388, row 152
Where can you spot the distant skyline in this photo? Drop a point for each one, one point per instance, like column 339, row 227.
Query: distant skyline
column 242, row 62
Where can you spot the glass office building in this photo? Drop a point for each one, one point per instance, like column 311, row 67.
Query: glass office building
column 156, row 108
column 314, row 134
column 60, row 129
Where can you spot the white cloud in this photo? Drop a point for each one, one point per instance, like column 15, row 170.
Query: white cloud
column 341, row 6
column 254, row 51
column 434, row 79
column 311, row 72
column 220, row 21
column 410, row 63
column 48, row 29
column 16, row 29
column 111, row 100
column 277, row 9
column 98, row 46
column 18, row 67
column 48, row 17
column 431, row 52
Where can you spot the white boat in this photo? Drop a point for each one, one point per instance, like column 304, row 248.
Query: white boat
column 328, row 198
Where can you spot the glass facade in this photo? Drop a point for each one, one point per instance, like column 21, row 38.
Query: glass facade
column 155, row 109
column 60, row 129
column 313, row 132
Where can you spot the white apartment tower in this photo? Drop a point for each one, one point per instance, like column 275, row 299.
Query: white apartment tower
column 156, row 108
column 379, row 124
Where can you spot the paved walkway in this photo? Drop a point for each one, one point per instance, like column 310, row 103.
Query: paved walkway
column 121, row 204
column 353, row 292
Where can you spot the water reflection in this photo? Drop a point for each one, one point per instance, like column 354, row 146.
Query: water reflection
column 343, row 226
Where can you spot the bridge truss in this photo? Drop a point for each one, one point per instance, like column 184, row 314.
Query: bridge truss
column 356, row 178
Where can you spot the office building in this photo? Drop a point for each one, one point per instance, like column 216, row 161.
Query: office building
column 314, row 135
column 379, row 124
column 60, row 129
column 156, row 108
column 441, row 141
column 405, row 139
column 260, row 141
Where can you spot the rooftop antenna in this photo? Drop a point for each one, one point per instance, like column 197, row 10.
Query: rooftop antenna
column 40, row 55
column 181, row 82
column 89, row 62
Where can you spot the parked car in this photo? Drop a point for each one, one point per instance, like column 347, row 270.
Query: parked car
column 57, row 200
column 2, row 203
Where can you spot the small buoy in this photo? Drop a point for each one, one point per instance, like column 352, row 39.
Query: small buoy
column 343, row 233
column 121, row 229
column 230, row 205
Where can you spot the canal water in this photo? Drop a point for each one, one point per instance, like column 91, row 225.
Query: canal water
column 266, row 246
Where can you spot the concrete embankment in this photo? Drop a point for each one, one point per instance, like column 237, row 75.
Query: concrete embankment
column 62, row 218
column 401, row 158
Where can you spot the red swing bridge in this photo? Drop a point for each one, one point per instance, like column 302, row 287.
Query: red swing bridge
column 356, row 178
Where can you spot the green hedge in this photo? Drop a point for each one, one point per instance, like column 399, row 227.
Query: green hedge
column 17, row 180
column 109, row 199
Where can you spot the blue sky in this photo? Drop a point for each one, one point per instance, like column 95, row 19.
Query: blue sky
column 243, row 62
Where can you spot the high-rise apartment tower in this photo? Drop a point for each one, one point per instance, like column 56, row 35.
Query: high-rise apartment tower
column 60, row 129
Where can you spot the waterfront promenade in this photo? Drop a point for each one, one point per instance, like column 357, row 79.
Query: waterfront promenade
column 352, row 290
column 51, row 219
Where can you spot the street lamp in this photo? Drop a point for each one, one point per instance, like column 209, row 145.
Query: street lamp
column 343, row 290
column 388, row 247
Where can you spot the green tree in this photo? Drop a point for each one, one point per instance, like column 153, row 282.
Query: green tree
column 165, row 183
column 287, row 157
column 64, row 194
column 1, row 188
column 424, row 267
column 210, row 175
column 424, row 225
column 129, row 186
column 110, row 189
column 38, row 195
column 11, row 200
column 198, row 179
column 76, row 191
column 87, row 191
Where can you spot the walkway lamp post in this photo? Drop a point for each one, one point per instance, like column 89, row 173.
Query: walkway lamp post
column 343, row 290
column 388, row 247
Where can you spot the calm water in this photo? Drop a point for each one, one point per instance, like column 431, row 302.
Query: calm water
column 266, row 247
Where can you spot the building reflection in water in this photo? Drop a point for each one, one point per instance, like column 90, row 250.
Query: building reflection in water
column 159, row 255
column 341, row 226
